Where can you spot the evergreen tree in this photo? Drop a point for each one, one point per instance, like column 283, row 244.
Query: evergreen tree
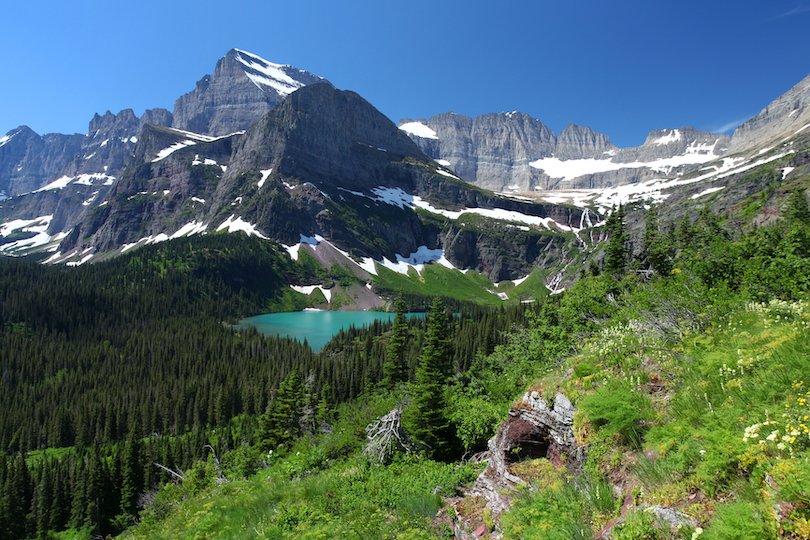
column 616, row 251
column 657, row 248
column 425, row 419
column 132, row 471
column 797, row 210
column 395, row 369
column 44, row 498
column 16, row 499
column 280, row 424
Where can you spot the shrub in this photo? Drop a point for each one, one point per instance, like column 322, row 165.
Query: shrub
column 618, row 410
column 737, row 521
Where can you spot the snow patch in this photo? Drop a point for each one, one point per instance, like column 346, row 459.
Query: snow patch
column 189, row 229
column 786, row 171
column 38, row 226
column 265, row 176
column 309, row 289
column 672, row 137
column 82, row 179
column 59, row 183
column 518, row 281
column 268, row 74
column 92, row 198
column 166, row 152
column 706, row 192
column 393, row 196
column 445, row 173
column 695, row 153
column 419, row 129
column 236, row 224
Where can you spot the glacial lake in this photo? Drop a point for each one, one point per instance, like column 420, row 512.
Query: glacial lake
column 317, row 327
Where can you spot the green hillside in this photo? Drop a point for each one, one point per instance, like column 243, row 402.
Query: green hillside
column 130, row 408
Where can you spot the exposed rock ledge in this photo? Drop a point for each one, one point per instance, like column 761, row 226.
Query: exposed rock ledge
column 533, row 429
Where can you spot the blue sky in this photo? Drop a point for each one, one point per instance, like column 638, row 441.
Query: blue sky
column 622, row 68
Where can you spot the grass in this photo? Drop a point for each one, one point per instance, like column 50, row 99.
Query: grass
column 351, row 499
column 437, row 280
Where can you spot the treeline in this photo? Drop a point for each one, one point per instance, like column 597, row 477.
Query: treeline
column 136, row 352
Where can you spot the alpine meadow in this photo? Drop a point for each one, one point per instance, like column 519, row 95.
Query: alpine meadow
column 613, row 343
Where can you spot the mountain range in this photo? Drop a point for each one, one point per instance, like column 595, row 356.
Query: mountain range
column 280, row 153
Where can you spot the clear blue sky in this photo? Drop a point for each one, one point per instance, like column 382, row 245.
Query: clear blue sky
column 622, row 68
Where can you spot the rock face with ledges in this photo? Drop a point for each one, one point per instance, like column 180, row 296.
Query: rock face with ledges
column 783, row 117
column 29, row 160
column 316, row 164
column 242, row 89
column 501, row 152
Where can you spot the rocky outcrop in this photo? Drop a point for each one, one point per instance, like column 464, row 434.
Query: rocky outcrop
column 242, row 89
column 505, row 152
column 783, row 117
column 29, row 160
column 323, row 162
column 577, row 142
column 533, row 429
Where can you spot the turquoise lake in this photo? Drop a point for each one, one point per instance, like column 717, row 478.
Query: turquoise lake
column 317, row 327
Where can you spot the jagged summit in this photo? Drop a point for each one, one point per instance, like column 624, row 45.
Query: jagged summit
column 513, row 152
column 784, row 117
column 241, row 90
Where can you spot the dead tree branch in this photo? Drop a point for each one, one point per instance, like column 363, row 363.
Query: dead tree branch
column 385, row 435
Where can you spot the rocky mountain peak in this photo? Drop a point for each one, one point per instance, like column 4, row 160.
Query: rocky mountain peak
column 122, row 124
column 319, row 132
column 783, row 117
column 577, row 142
column 241, row 90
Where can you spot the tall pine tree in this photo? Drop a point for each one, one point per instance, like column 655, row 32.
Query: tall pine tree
column 280, row 424
column 425, row 419
column 616, row 251
column 395, row 369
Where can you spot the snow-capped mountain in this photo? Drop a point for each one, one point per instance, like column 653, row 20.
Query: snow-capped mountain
column 260, row 148
column 322, row 164
column 515, row 153
column 241, row 90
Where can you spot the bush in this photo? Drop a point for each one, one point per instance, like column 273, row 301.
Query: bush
column 618, row 410
column 737, row 521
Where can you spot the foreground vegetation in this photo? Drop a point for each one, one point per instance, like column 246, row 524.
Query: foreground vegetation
column 688, row 365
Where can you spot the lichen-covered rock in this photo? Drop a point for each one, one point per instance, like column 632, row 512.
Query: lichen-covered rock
column 533, row 429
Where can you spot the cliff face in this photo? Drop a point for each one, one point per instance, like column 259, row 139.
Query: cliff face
column 783, row 117
column 513, row 152
column 323, row 163
column 242, row 89
column 28, row 160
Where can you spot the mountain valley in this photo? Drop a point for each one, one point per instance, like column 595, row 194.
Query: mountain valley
column 615, row 341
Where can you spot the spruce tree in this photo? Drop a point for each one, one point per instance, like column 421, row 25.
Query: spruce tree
column 656, row 245
column 616, row 252
column 797, row 210
column 395, row 369
column 425, row 418
column 280, row 424
column 131, row 472
column 45, row 492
